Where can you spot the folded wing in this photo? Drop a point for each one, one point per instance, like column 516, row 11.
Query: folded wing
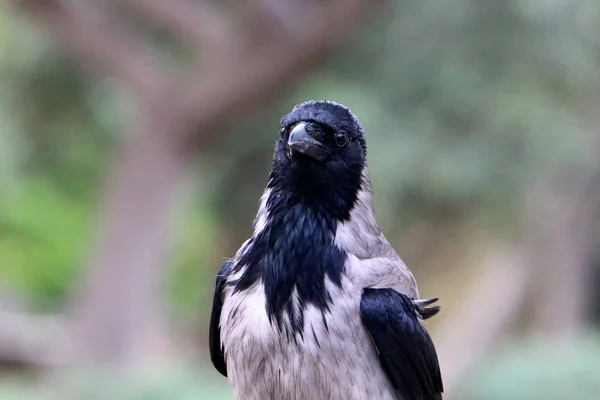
column 405, row 349
column 217, row 355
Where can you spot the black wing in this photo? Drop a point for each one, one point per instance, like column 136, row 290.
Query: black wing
column 214, row 334
column 405, row 349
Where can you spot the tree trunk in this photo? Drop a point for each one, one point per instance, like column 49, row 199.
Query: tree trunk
column 117, row 308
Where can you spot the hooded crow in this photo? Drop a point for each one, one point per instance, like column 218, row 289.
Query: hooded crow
column 317, row 305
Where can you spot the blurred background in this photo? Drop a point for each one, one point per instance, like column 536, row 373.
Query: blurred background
column 132, row 165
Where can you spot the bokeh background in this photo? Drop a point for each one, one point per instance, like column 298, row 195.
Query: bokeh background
column 483, row 127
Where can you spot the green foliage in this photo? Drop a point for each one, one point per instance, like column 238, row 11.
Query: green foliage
column 538, row 370
column 43, row 236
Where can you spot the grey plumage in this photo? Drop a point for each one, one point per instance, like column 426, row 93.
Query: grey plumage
column 319, row 341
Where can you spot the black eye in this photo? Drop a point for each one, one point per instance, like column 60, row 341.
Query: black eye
column 341, row 139
column 282, row 131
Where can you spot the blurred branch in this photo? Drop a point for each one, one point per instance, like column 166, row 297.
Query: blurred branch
column 274, row 15
column 91, row 40
column 117, row 307
column 31, row 341
column 201, row 24
column 267, row 64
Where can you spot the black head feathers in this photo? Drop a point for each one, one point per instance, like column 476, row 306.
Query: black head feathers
column 320, row 157
column 331, row 117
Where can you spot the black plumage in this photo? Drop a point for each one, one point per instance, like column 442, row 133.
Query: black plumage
column 214, row 334
column 404, row 346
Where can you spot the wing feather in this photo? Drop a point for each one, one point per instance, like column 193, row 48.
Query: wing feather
column 405, row 349
column 217, row 355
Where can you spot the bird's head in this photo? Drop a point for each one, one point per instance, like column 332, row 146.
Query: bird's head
column 322, row 133
column 320, row 156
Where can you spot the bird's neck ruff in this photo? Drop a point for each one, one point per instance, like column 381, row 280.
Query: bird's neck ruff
column 292, row 252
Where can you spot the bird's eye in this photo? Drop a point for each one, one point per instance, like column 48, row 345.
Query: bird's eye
column 341, row 139
column 282, row 131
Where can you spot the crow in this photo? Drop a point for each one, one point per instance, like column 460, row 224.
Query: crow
column 317, row 305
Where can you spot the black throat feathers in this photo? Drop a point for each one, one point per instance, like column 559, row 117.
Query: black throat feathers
column 294, row 254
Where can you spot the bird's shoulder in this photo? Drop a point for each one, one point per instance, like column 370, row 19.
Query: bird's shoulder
column 387, row 271
column 373, row 262
column 231, row 271
column 371, row 259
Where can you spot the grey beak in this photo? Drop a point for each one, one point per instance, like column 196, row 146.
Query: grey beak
column 302, row 142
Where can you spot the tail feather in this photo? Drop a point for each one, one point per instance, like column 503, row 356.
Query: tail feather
column 425, row 309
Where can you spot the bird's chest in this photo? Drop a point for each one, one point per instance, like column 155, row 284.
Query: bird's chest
column 331, row 357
